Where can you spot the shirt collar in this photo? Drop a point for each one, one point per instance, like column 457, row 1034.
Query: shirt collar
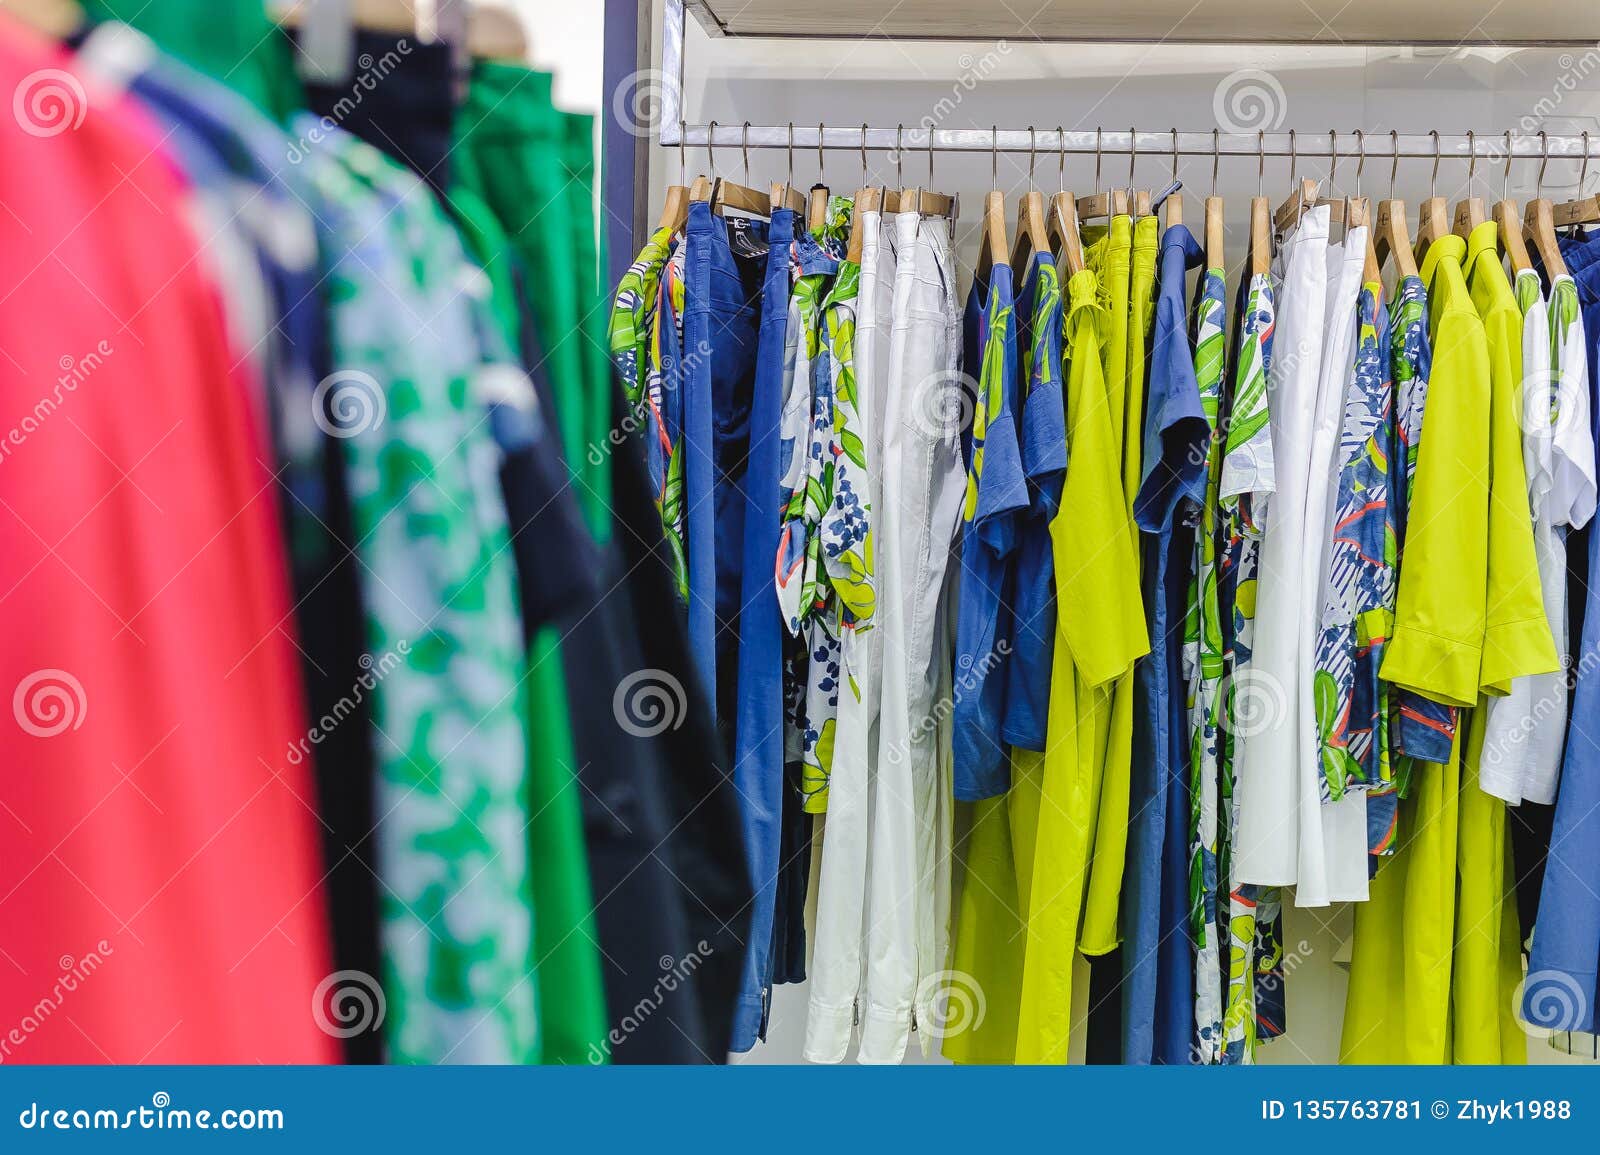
column 1450, row 246
column 1485, row 240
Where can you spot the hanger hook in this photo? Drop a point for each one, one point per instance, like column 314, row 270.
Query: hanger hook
column 1061, row 161
column 1583, row 174
column 744, row 147
column 994, row 156
column 822, row 167
column 1361, row 158
column 863, row 152
column 1099, row 138
column 1174, row 156
column 1261, row 161
column 1033, row 153
column 1472, row 159
column 1133, row 156
column 1433, row 180
column 1333, row 158
column 1544, row 159
column 1216, row 157
column 930, row 157
column 1394, row 160
column 711, row 157
column 1294, row 161
column 899, row 156
column 790, row 179
column 683, row 152
column 1505, row 175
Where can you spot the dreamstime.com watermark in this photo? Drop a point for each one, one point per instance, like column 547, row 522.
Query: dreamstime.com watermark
column 49, row 702
column 373, row 70
column 348, row 1003
column 74, row 372
column 159, row 1115
column 347, row 403
column 373, row 672
column 74, row 973
column 48, row 102
column 636, row 421
column 649, row 702
column 674, row 974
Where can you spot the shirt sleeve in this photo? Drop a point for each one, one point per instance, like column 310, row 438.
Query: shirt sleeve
column 1097, row 586
column 1517, row 639
column 1437, row 648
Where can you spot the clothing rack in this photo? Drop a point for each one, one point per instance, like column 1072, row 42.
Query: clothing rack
column 667, row 87
column 909, row 140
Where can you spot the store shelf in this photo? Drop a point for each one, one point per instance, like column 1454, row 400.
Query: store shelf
column 1505, row 23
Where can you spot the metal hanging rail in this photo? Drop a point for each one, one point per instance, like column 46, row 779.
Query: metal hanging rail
column 904, row 140
column 674, row 133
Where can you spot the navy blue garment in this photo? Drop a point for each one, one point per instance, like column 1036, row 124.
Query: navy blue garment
column 1158, row 988
column 1044, row 464
column 1563, row 985
column 401, row 99
column 725, row 272
column 758, row 732
column 997, row 495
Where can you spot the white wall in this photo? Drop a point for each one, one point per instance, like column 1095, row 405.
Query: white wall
column 1154, row 87
column 567, row 38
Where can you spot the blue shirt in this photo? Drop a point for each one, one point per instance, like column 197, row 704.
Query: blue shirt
column 997, row 495
column 1158, row 983
column 1044, row 464
column 1561, row 989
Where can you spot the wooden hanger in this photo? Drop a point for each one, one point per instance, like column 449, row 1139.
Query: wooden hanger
column 817, row 201
column 786, row 197
column 1260, row 236
column 992, row 244
column 494, row 32
column 1062, row 238
column 1063, row 235
column 918, row 200
column 675, row 212
column 1295, row 204
column 1138, row 197
column 1338, row 207
column 1215, row 228
column 1173, row 203
column 1470, row 212
column 1359, row 216
column 1539, row 224
column 1508, row 224
column 1260, row 215
column 869, row 199
column 724, row 193
column 1584, row 210
column 1032, row 235
column 783, row 193
column 1391, row 235
column 1433, row 219
column 1304, row 193
column 56, row 19
column 1101, row 204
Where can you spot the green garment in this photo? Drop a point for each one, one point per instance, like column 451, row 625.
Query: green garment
column 525, row 160
column 1517, row 639
column 1029, row 854
column 1110, row 257
column 233, row 41
column 442, row 618
column 567, row 974
column 1441, row 611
